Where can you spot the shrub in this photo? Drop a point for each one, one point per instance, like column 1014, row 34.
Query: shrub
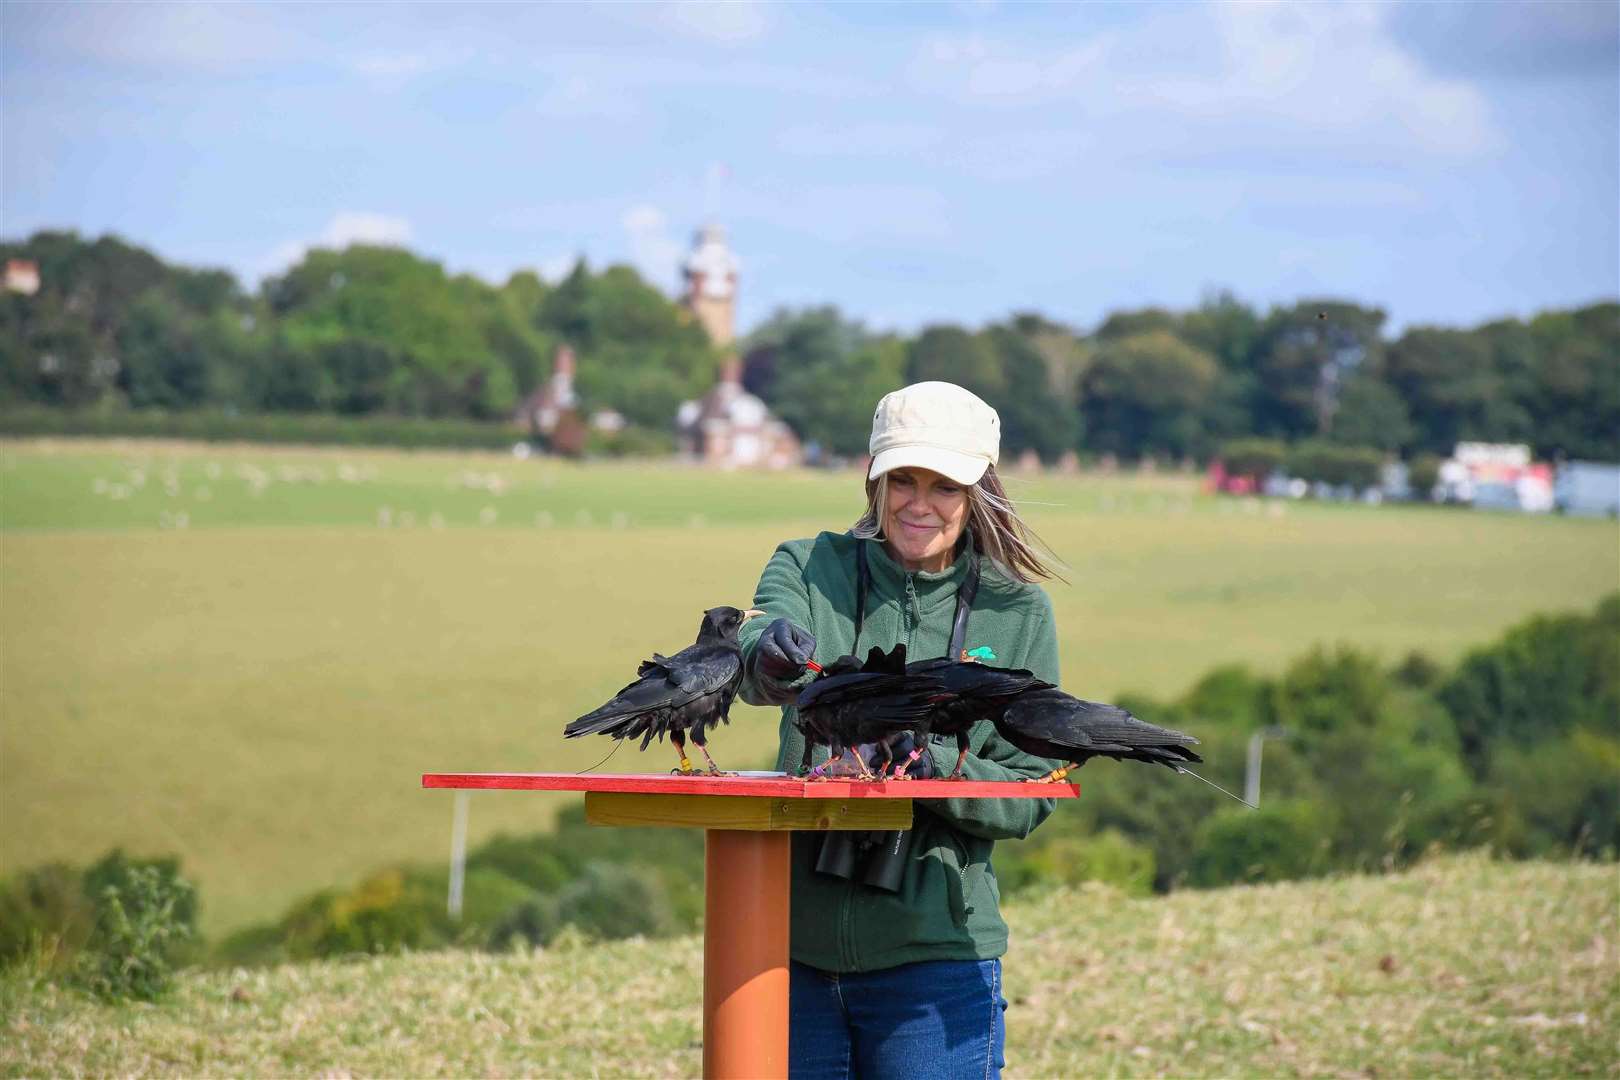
column 1257, row 458
column 1326, row 690
column 611, row 901
column 535, row 921
column 1546, row 676
column 140, row 922
column 1279, row 841
column 45, row 916
column 1564, row 793
column 1356, row 466
column 1067, row 859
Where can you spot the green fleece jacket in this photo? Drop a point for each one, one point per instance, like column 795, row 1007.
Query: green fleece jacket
column 947, row 905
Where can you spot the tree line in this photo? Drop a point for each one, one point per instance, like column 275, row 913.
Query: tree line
column 381, row 332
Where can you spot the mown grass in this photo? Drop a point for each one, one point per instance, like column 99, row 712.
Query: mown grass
column 258, row 688
column 1459, row 967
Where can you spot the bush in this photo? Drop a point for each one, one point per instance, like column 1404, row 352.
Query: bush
column 1330, row 689
column 1357, row 466
column 1067, row 859
column 1258, row 458
column 1278, row 842
column 611, row 901
column 1564, row 795
column 45, row 916
column 140, row 924
column 1545, row 677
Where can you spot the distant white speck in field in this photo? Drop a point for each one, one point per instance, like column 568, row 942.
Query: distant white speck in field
column 543, row 519
column 99, row 486
column 696, row 521
column 213, row 470
column 407, row 519
column 119, row 491
column 488, row 515
column 435, row 520
column 182, row 520
column 137, row 477
column 385, row 516
column 621, row 520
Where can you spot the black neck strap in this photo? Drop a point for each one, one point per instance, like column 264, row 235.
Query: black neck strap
column 965, row 594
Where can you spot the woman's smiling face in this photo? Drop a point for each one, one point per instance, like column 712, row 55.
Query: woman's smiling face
column 923, row 518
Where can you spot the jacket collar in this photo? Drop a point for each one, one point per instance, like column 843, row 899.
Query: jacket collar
column 933, row 588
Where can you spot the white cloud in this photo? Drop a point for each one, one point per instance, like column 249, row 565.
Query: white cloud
column 728, row 22
column 577, row 96
column 346, row 227
column 1235, row 77
column 400, row 66
column 654, row 251
column 216, row 39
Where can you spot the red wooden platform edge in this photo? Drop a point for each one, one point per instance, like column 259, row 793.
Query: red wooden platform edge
column 773, row 785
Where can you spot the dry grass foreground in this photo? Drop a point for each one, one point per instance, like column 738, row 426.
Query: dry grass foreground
column 1460, row 967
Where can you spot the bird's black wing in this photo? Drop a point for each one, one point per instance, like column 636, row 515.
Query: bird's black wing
column 877, row 695
column 978, row 680
column 1067, row 723
column 665, row 684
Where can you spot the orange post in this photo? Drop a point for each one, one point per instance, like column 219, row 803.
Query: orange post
column 745, row 955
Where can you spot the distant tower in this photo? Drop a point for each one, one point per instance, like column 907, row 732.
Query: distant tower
column 711, row 284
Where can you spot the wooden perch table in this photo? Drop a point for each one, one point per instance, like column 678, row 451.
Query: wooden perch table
column 746, row 819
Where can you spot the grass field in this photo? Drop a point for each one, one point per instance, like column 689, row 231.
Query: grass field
column 247, row 656
column 1460, row 967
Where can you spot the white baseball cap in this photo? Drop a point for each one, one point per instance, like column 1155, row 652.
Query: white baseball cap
column 938, row 426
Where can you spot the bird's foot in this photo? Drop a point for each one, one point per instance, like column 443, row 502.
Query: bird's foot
column 1055, row 776
column 956, row 774
column 911, row 759
column 685, row 769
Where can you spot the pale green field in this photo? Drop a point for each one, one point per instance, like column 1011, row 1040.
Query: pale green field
column 1459, row 967
column 259, row 690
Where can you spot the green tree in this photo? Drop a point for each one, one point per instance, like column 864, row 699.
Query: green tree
column 1142, row 395
column 1304, row 355
column 1371, row 413
column 951, row 354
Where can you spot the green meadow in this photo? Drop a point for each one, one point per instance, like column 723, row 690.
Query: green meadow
column 247, row 656
column 1457, row 967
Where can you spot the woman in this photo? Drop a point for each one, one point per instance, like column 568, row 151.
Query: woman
column 896, row 943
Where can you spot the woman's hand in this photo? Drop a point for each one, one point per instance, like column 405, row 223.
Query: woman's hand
column 783, row 650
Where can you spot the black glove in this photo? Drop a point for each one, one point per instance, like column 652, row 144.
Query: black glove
column 779, row 658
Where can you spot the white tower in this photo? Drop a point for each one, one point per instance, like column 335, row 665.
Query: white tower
column 711, row 284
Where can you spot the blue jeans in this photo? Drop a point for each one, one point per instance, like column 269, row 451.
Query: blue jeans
column 939, row 1018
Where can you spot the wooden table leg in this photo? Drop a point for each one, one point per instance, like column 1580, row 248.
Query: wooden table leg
column 745, row 955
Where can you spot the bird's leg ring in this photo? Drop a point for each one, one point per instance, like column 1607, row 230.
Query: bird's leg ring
column 1056, row 775
column 911, row 759
column 714, row 770
column 680, row 748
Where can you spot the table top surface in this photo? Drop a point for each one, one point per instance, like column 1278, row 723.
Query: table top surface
column 767, row 784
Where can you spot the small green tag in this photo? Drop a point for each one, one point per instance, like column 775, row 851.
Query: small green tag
column 983, row 652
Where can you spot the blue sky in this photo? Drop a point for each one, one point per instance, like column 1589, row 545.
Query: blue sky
column 909, row 163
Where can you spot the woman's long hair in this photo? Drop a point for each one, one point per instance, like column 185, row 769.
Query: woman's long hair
column 999, row 534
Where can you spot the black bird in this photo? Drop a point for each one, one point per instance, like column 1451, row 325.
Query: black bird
column 968, row 692
column 1051, row 724
column 971, row 692
column 688, row 692
column 851, row 703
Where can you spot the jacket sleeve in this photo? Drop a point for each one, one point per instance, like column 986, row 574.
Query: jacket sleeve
column 781, row 594
column 997, row 759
